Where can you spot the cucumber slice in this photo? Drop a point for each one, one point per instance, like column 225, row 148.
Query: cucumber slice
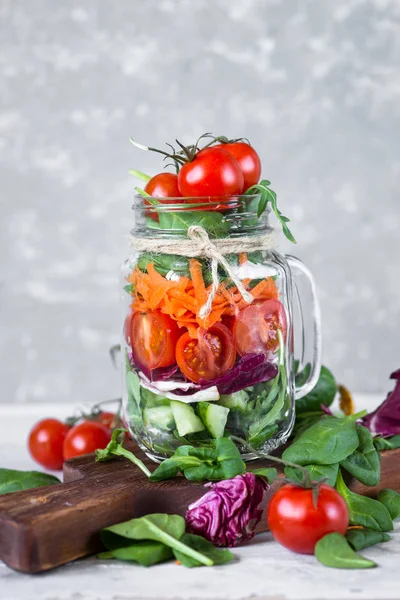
column 185, row 418
column 214, row 418
column 160, row 417
column 237, row 400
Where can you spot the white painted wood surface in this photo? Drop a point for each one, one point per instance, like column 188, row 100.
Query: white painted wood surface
column 264, row 570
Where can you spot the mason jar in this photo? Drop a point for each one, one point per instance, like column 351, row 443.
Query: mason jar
column 208, row 335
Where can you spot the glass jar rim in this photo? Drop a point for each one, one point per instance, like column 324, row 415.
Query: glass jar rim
column 182, row 203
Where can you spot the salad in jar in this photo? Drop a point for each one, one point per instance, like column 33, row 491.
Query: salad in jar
column 207, row 306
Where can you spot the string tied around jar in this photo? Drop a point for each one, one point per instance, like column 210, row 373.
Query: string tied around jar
column 208, row 249
column 200, row 245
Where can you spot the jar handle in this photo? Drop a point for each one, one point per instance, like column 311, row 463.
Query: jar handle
column 315, row 344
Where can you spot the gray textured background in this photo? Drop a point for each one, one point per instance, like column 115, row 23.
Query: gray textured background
column 315, row 85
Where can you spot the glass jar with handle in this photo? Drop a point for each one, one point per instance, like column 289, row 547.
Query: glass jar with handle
column 208, row 336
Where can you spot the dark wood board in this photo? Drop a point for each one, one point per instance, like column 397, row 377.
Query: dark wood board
column 46, row 527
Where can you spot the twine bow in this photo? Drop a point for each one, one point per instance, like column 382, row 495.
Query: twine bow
column 200, row 245
column 209, row 250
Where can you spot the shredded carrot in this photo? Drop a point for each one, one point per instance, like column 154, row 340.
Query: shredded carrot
column 198, row 282
column 182, row 299
column 266, row 288
column 242, row 258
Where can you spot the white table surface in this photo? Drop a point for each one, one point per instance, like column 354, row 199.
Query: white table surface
column 264, row 570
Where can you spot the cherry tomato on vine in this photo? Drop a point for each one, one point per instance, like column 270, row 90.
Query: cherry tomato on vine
column 209, row 356
column 256, row 327
column 153, row 339
column 213, row 172
column 84, row 438
column 45, row 443
column 248, row 160
column 297, row 524
column 162, row 185
column 109, row 419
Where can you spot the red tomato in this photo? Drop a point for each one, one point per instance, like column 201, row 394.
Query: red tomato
column 297, row 524
column 162, row 185
column 127, row 328
column 45, row 443
column 209, row 356
column 213, row 172
column 153, row 338
column 84, row 438
column 248, row 160
column 255, row 328
column 109, row 419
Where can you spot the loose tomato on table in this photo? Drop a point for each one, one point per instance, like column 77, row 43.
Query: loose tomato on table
column 46, row 441
column 212, row 172
column 256, row 327
column 210, row 355
column 248, row 160
column 153, row 337
column 298, row 524
column 85, row 437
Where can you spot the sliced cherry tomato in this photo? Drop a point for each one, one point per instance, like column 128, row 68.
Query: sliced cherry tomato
column 209, row 356
column 45, row 443
column 256, row 327
column 85, row 437
column 297, row 524
column 127, row 327
column 213, row 172
column 248, row 160
column 153, row 338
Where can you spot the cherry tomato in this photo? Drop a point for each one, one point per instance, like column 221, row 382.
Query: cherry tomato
column 209, row 356
column 256, row 327
column 162, row 185
column 45, row 443
column 213, row 172
column 297, row 524
column 109, row 419
column 127, row 328
column 84, row 438
column 153, row 338
column 248, row 160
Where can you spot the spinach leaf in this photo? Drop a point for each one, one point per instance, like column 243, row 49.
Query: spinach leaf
column 163, row 263
column 134, row 396
column 167, row 529
column 364, row 511
column 391, row 500
column 213, row 222
column 14, row 481
column 323, row 393
column 270, row 473
column 382, row 444
column 334, row 551
column 364, row 538
column 218, row 556
column 144, row 552
column 219, row 461
column 364, row 464
column 116, row 448
column 317, row 473
column 328, row 441
column 305, row 420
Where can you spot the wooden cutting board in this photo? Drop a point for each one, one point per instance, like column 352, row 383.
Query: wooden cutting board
column 49, row 526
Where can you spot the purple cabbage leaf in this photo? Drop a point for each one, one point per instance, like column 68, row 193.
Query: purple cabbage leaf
column 227, row 515
column 249, row 370
column 385, row 420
